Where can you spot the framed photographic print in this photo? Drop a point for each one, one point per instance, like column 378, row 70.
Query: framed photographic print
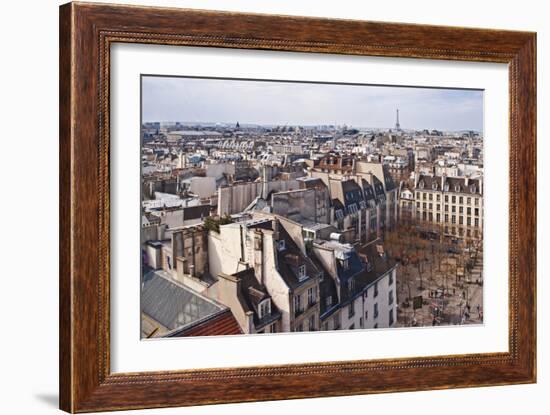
column 260, row 207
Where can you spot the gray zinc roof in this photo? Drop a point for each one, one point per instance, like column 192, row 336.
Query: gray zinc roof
column 174, row 305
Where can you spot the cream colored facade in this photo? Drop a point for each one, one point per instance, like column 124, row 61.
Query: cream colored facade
column 455, row 211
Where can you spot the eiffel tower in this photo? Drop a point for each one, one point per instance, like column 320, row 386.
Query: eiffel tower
column 397, row 126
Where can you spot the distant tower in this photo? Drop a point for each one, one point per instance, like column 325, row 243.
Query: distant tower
column 237, row 126
column 397, row 126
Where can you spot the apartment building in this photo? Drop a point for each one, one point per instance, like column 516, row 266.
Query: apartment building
column 451, row 205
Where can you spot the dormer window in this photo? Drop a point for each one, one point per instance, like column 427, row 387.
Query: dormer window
column 351, row 285
column 302, row 272
column 281, row 245
column 473, row 189
column 434, row 185
column 457, row 188
column 345, row 264
column 421, row 185
column 265, row 308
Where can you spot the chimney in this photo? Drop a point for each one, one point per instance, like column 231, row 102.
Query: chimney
column 264, row 183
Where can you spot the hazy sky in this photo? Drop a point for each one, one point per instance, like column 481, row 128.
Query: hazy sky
column 260, row 102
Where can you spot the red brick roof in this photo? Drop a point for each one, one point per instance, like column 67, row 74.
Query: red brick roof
column 220, row 325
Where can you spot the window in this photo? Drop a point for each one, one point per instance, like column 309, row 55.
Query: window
column 168, row 262
column 438, row 217
column 476, row 201
column 281, row 245
column 390, row 297
column 476, row 222
column 453, row 219
column 376, row 289
column 375, row 313
column 297, row 304
column 468, row 200
column 418, row 205
column 431, row 205
column 424, row 196
column 446, row 218
column 468, row 221
column 351, row 285
column 311, row 297
column 438, row 197
column 390, row 279
column 328, row 301
column 438, row 206
column 391, row 317
column 423, row 205
column 336, row 322
column 446, row 208
column 265, row 308
column 453, row 209
column 461, row 220
column 431, row 197
column 476, row 211
column 312, row 322
column 446, row 198
column 454, row 199
column 351, row 309
column 339, row 214
column 469, row 211
column 461, row 200
column 345, row 264
column 302, row 272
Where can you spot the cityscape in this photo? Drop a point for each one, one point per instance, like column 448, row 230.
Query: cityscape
column 276, row 207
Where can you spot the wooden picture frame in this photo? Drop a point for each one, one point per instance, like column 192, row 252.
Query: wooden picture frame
column 86, row 33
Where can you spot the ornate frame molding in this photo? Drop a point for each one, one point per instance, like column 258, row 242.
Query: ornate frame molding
column 86, row 34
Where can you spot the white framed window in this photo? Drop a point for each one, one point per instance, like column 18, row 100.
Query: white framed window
column 281, row 245
column 297, row 304
column 312, row 322
column 302, row 272
column 311, row 296
column 265, row 308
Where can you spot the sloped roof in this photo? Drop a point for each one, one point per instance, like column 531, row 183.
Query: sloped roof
column 251, row 294
column 218, row 325
column 173, row 305
column 289, row 260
